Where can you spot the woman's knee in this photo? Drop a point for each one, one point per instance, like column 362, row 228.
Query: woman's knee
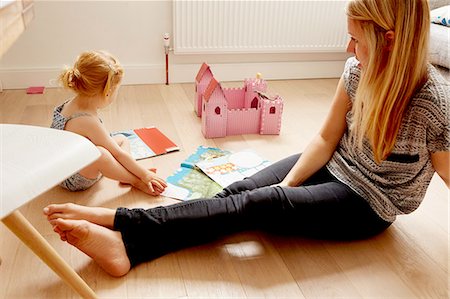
column 275, row 173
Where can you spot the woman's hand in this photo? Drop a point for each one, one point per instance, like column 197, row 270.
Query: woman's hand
column 281, row 184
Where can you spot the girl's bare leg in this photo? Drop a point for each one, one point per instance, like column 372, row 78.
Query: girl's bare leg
column 97, row 215
column 103, row 245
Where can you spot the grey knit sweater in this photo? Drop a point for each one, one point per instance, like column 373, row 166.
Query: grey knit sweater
column 397, row 185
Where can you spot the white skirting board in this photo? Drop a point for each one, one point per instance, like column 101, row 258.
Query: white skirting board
column 184, row 73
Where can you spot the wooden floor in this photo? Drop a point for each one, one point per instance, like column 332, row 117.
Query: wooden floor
column 409, row 260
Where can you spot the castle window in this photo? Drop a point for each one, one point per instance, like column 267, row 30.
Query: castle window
column 217, row 110
column 272, row 110
column 254, row 103
column 204, row 107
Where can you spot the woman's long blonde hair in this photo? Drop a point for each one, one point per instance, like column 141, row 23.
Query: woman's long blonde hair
column 392, row 76
column 94, row 73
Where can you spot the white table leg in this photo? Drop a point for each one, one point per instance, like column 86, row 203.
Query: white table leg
column 23, row 229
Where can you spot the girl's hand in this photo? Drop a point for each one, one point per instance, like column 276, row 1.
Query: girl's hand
column 155, row 183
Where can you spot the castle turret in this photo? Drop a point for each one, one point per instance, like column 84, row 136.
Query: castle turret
column 202, row 80
column 271, row 112
column 252, row 86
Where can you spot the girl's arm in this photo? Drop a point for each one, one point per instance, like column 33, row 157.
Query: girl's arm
column 441, row 163
column 321, row 148
column 95, row 131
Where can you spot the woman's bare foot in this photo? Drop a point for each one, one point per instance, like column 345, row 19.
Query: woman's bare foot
column 97, row 215
column 103, row 245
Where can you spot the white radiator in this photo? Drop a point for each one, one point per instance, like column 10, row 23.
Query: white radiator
column 246, row 26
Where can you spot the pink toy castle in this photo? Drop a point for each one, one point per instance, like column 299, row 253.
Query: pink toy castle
column 234, row 111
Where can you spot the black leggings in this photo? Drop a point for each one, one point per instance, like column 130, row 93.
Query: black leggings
column 322, row 207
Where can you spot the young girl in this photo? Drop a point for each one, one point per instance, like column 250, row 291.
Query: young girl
column 95, row 79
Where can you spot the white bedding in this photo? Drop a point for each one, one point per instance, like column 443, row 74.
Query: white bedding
column 440, row 45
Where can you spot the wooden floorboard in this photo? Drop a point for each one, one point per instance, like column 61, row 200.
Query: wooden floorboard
column 409, row 260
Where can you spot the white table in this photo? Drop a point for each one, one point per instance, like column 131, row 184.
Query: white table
column 33, row 160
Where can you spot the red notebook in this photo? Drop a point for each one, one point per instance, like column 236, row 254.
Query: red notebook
column 148, row 142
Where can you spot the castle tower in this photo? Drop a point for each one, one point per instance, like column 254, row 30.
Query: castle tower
column 214, row 111
column 202, row 80
column 271, row 112
column 251, row 85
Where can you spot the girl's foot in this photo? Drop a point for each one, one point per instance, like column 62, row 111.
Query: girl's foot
column 97, row 215
column 124, row 183
column 103, row 245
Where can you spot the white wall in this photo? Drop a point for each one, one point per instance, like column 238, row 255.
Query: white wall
column 132, row 31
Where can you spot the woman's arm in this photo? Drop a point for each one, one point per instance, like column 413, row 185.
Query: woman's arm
column 441, row 163
column 321, row 148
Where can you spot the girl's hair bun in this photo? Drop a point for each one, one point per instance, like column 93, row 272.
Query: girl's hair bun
column 94, row 73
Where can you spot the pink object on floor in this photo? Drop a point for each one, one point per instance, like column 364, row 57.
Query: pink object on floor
column 235, row 111
column 35, row 90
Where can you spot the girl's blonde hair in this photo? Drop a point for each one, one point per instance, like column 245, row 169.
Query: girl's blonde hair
column 391, row 76
column 94, row 73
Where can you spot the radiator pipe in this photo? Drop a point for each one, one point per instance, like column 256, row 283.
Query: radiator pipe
column 167, row 50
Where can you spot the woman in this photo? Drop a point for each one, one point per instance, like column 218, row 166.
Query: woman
column 387, row 132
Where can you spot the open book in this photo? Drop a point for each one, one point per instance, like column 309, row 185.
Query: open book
column 189, row 182
column 209, row 170
column 233, row 166
column 147, row 142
